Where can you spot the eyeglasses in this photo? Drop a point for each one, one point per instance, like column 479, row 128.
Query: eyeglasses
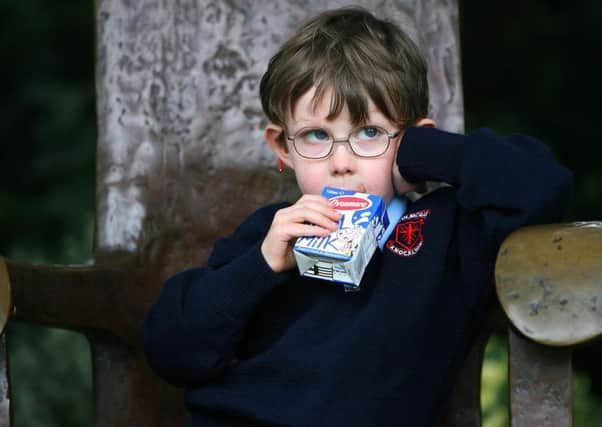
column 318, row 143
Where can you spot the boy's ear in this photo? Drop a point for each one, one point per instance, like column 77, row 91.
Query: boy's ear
column 426, row 122
column 274, row 136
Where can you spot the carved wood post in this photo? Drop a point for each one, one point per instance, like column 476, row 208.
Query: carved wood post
column 181, row 161
column 548, row 280
column 5, row 310
column 540, row 383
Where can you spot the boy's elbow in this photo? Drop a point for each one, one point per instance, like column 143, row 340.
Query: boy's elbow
column 553, row 198
column 561, row 194
column 175, row 360
column 568, row 183
column 179, row 354
column 157, row 351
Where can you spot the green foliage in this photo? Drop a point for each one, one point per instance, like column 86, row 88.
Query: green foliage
column 528, row 66
column 494, row 384
column 47, row 120
column 51, row 377
column 587, row 407
column 51, row 369
column 47, row 123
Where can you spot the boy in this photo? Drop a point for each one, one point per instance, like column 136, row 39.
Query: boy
column 255, row 343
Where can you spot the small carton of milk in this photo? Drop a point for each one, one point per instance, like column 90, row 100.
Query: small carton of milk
column 343, row 255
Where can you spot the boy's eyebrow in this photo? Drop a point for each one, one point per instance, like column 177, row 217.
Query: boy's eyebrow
column 312, row 122
column 375, row 115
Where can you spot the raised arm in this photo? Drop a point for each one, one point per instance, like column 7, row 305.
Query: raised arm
column 512, row 181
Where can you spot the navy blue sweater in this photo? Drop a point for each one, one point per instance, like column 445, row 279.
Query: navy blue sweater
column 253, row 347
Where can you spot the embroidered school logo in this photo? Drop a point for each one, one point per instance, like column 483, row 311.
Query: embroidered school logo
column 407, row 238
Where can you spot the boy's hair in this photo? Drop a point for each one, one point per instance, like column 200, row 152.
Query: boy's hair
column 355, row 55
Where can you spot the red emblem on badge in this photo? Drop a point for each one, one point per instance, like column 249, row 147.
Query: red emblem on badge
column 407, row 238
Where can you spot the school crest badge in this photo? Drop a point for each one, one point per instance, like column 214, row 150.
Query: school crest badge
column 407, row 239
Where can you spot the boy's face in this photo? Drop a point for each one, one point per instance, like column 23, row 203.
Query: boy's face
column 342, row 168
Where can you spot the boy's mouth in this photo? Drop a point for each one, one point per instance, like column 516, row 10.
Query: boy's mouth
column 358, row 188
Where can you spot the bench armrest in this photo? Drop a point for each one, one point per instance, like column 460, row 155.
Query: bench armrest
column 549, row 282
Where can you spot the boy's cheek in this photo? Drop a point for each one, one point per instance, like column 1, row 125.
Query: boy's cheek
column 400, row 185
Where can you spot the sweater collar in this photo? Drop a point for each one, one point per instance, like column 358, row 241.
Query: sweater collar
column 395, row 210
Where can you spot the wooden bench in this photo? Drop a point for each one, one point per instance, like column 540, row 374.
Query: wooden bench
column 549, row 282
column 181, row 162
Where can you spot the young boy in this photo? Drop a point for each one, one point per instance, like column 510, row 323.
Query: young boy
column 255, row 343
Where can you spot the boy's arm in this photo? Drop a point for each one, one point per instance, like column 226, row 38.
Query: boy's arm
column 195, row 325
column 511, row 181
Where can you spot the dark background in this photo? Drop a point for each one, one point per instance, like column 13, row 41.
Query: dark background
column 528, row 66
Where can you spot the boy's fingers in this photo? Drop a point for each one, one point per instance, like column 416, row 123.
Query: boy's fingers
column 299, row 230
column 301, row 215
column 321, row 205
column 313, row 200
column 307, row 210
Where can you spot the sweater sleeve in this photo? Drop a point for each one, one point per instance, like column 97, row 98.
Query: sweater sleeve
column 194, row 327
column 508, row 181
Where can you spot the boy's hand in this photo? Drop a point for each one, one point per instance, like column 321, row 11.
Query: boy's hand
column 400, row 185
column 311, row 215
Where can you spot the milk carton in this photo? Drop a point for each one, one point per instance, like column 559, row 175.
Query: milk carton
column 343, row 255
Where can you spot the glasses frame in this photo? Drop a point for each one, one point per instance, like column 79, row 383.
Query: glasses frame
column 347, row 141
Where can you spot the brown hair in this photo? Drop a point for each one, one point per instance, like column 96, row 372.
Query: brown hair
column 358, row 57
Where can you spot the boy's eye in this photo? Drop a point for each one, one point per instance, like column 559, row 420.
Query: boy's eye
column 368, row 132
column 315, row 135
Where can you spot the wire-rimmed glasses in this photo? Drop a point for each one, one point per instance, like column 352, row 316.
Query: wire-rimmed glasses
column 364, row 141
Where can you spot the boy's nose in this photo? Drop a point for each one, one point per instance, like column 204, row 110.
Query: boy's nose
column 342, row 160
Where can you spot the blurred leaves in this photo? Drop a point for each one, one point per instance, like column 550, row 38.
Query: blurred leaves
column 48, row 125
column 587, row 407
column 51, row 373
column 530, row 66
column 48, row 144
column 494, row 384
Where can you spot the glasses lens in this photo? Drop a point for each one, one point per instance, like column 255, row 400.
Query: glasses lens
column 369, row 141
column 313, row 143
